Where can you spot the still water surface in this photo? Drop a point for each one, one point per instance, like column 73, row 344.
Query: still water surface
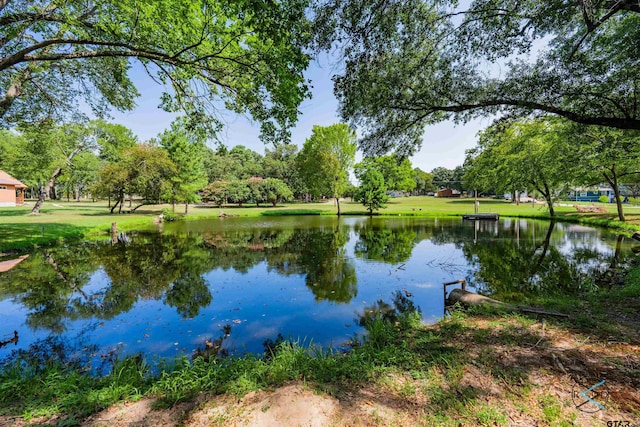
column 165, row 292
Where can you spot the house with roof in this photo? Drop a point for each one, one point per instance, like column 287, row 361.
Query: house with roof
column 590, row 194
column 11, row 190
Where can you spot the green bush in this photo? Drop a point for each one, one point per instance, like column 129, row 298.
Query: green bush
column 169, row 215
column 603, row 199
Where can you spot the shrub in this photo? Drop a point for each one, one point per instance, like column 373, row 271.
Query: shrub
column 168, row 215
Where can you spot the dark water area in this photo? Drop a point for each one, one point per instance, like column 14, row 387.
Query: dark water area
column 168, row 292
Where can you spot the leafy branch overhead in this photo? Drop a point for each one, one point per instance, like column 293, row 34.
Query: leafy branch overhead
column 412, row 63
column 244, row 56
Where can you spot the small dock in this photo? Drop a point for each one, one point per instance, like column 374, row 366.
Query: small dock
column 489, row 216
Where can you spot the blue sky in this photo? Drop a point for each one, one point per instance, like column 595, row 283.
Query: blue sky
column 444, row 144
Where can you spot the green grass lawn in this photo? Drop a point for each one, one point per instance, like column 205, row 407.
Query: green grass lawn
column 64, row 220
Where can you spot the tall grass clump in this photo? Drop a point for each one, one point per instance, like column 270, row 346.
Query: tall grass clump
column 54, row 388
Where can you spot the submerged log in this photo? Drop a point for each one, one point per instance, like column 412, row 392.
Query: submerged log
column 470, row 299
column 636, row 236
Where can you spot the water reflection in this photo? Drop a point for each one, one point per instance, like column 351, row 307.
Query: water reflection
column 401, row 304
column 391, row 245
column 169, row 292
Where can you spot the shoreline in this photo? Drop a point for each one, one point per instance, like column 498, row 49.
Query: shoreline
column 24, row 233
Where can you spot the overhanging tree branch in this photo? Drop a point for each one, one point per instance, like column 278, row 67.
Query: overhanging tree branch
column 616, row 122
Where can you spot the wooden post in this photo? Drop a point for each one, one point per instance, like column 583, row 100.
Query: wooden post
column 114, row 233
column 476, row 203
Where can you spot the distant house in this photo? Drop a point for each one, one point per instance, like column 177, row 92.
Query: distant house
column 11, row 190
column 590, row 194
column 395, row 193
column 448, row 192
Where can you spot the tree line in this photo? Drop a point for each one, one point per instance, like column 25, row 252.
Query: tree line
column 550, row 155
column 103, row 160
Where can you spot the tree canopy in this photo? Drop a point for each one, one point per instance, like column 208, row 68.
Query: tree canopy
column 372, row 192
column 412, row 63
column 524, row 154
column 396, row 171
column 245, row 56
column 325, row 160
column 186, row 151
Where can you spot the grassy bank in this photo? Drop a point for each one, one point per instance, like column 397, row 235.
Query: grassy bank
column 69, row 220
column 474, row 368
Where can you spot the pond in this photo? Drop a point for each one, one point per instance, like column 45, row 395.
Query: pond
column 235, row 283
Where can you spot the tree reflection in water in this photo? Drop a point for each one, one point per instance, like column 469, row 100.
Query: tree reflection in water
column 97, row 281
column 401, row 306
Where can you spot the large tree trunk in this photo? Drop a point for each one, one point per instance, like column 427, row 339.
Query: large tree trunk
column 47, row 189
column 613, row 181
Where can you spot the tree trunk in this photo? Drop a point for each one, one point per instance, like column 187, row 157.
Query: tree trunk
column 552, row 213
column 51, row 184
column 186, row 208
column 613, row 181
column 549, row 198
column 114, row 206
column 338, row 204
column 43, row 193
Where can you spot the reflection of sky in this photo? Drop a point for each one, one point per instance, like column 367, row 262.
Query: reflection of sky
column 260, row 303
